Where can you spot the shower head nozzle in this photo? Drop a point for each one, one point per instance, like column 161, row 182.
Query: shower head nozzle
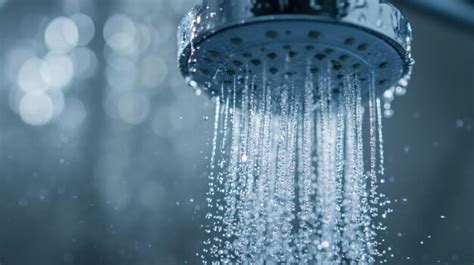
column 220, row 41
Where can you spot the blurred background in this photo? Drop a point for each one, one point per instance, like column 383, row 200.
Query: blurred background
column 104, row 150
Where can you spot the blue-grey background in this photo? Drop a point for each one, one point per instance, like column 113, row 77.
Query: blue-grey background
column 103, row 149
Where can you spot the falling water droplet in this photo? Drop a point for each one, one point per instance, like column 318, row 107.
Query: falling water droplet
column 289, row 169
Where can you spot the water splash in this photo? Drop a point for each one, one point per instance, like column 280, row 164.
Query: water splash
column 292, row 178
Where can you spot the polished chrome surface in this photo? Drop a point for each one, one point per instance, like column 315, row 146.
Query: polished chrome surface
column 219, row 38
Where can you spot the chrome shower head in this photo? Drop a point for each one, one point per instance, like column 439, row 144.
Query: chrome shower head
column 221, row 41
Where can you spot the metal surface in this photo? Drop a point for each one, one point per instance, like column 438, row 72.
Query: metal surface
column 223, row 40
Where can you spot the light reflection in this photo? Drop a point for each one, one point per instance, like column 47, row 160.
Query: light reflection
column 61, row 35
column 85, row 62
column 67, row 57
column 86, row 28
column 57, row 70
column 57, row 97
column 36, row 108
column 119, row 33
column 30, row 77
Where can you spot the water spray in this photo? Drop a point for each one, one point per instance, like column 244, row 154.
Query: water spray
column 295, row 174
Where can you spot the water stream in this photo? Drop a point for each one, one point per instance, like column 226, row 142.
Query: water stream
column 295, row 173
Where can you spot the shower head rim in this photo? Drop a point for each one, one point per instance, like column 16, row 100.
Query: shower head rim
column 376, row 21
column 186, row 51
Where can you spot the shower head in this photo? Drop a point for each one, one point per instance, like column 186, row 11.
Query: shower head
column 222, row 41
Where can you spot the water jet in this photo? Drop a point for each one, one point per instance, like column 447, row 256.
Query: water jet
column 295, row 175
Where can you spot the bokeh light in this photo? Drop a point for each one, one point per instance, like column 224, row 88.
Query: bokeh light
column 30, row 77
column 86, row 28
column 58, row 99
column 57, row 70
column 36, row 108
column 119, row 33
column 61, row 34
column 50, row 68
column 85, row 62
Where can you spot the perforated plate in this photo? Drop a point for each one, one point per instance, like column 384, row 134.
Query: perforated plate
column 288, row 48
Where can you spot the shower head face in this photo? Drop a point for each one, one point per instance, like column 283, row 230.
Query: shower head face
column 222, row 43
column 289, row 48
